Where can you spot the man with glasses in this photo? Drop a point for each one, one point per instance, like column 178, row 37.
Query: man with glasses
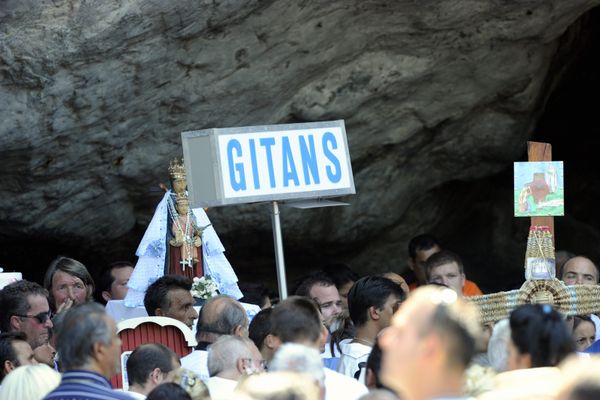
column 230, row 359
column 429, row 345
column 24, row 308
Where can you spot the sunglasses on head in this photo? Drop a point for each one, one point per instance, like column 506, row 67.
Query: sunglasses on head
column 41, row 317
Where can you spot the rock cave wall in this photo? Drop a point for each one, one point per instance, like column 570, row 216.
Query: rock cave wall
column 438, row 97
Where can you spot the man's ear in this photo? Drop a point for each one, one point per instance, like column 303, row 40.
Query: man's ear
column 239, row 365
column 411, row 264
column 524, row 361
column 106, row 296
column 240, row 331
column 98, row 350
column 158, row 312
column 370, row 379
column 274, row 342
column 373, row 313
column 270, row 341
column 156, row 376
column 15, row 323
column 7, row 367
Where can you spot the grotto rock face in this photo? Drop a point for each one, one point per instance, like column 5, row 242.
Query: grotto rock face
column 94, row 96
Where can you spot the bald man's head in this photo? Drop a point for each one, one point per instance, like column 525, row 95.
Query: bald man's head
column 221, row 315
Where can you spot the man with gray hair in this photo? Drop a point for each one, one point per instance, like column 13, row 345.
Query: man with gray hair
column 220, row 315
column 89, row 350
column 229, row 359
column 294, row 357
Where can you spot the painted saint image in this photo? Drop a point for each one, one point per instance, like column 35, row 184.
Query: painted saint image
column 539, row 189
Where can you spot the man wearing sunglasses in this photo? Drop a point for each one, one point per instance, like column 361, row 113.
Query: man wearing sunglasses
column 24, row 308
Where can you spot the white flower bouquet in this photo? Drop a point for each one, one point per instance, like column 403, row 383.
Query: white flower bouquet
column 204, row 287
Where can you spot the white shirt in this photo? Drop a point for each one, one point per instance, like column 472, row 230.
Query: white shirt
column 196, row 361
column 338, row 386
column 221, row 388
column 136, row 395
column 354, row 353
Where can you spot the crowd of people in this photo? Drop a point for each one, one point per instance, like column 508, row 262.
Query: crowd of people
column 340, row 336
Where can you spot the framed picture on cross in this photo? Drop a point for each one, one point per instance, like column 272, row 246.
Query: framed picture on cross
column 539, row 189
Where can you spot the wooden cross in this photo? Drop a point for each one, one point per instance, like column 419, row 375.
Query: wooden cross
column 538, row 151
column 569, row 300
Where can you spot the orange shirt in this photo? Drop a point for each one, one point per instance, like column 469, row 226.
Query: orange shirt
column 469, row 289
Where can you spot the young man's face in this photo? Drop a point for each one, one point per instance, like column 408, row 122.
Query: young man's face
column 181, row 307
column 329, row 300
column 418, row 263
column 391, row 305
column 118, row 289
column 449, row 275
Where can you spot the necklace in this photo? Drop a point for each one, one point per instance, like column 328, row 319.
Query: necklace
column 363, row 341
column 185, row 231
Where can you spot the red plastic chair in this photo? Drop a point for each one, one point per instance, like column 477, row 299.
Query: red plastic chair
column 167, row 331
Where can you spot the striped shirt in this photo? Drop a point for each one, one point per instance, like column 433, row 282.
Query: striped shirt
column 85, row 385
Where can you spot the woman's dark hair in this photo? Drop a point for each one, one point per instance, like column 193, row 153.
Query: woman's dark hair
column 539, row 330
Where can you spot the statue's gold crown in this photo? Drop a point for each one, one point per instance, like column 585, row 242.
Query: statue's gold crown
column 177, row 170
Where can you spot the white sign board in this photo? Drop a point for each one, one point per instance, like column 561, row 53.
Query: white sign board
column 267, row 163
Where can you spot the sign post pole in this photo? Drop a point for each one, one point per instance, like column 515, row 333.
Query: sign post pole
column 279, row 259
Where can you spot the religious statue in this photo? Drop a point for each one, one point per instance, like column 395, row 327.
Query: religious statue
column 187, row 235
column 179, row 240
column 184, row 235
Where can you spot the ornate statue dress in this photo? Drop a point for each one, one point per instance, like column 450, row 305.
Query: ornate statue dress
column 180, row 241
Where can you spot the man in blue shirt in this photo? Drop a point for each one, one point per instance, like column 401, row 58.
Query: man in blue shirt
column 89, row 352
